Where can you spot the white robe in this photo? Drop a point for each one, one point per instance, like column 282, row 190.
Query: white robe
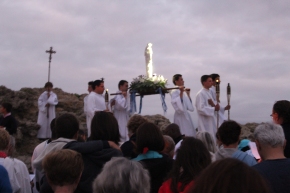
column 205, row 112
column 121, row 112
column 181, row 116
column 86, row 112
column 43, row 120
column 18, row 174
column 221, row 112
column 96, row 102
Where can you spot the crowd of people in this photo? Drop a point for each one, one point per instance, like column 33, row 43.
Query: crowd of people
column 145, row 158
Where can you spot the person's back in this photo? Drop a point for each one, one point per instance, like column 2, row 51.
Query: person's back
column 275, row 168
column 5, row 185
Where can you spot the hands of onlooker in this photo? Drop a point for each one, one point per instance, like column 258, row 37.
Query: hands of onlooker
column 217, row 107
column 47, row 105
column 228, row 107
column 211, row 103
column 114, row 145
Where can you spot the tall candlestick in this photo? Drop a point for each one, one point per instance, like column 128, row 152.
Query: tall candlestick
column 229, row 98
column 217, row 90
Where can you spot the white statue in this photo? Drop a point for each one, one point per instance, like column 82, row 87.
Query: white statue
column 148, row 58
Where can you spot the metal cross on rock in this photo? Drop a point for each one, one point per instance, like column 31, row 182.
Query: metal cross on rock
column 50, row 53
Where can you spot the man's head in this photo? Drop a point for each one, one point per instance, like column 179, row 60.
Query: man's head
column 4, row 140
column 206, row 81
column 48, row 86
column 178, row 80
column 67, row 126
column 169, row 146
column 173, row 131
column 214, row 78
column 123, row 85
column 5, row 108
column 90, row 86
column 281, row 112
column 229, row 133
column 63, row 168
column 269, row 136
column 99, row 86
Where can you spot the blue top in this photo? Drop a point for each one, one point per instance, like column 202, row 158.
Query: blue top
column 5, row 186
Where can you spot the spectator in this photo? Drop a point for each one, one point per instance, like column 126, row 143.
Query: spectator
column 173, row 131
column 169, row 146
column 281, row 116
column 126, row 177
column 17, row 170
column 63, row 169
column 8, row 122
column 275, row 168
column 208, row 141
column 150, row 143
column 128, row 148
column 192, row 157
column 82, row 136
column 229, row 176
column 229, row 134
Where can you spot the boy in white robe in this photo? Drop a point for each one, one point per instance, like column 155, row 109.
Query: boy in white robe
column 46, row 106
column 90, row 88
column 205, row 107
column 121, row 109
column 221, row 112
column 181, row 102
column 96, row 102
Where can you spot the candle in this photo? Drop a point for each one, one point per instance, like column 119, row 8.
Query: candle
column 107, row 96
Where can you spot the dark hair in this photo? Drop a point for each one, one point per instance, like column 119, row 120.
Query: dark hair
column 91, row 83
column 192, row 157
column 66, row 126
column 229, row 175
column 7, row 106
column 149, row 136
column 48, row 84
column 175, row 78
column 122, row 82
column 173, row 131
column 134, row 122
column 204, row 78
column 63, row 167
column 97, row 83
column 229, row 132
column 214, row 76
column 53, row 129
column 282, row 108
column 105, row 127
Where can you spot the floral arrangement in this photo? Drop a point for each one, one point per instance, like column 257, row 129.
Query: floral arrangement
column 148, row 85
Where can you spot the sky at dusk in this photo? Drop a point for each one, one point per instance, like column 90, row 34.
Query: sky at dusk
column 246, row 42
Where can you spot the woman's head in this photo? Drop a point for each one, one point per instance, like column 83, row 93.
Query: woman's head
column 229, row 175
column 105, row 127
column 192, row 157
column 149, row 136
column 207, row 140
column 134, row 122
column 281, row 112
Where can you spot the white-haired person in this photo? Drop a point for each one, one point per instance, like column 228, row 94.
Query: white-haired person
column 275, row 167
column 121, row 175
column 208, row 141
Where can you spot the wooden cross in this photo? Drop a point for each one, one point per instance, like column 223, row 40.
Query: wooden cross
column 50, row 53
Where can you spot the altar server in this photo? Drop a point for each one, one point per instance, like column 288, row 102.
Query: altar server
column 181, row 102
column 121, row 109
column 46, row 111
column 96, row 101
column 206, row 107
column 90, row 88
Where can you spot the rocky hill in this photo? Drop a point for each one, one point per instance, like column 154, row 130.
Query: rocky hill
column 25, row 110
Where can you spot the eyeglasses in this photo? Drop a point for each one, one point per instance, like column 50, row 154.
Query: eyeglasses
column 272, row 114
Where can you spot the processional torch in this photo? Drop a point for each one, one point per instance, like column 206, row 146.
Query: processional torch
column 217, row 90
column 107, row 99
column 229, row 98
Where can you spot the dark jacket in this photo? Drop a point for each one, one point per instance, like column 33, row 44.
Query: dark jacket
column 10, row 123
column 95, row 154
column 128, row 148
column 286, row 128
